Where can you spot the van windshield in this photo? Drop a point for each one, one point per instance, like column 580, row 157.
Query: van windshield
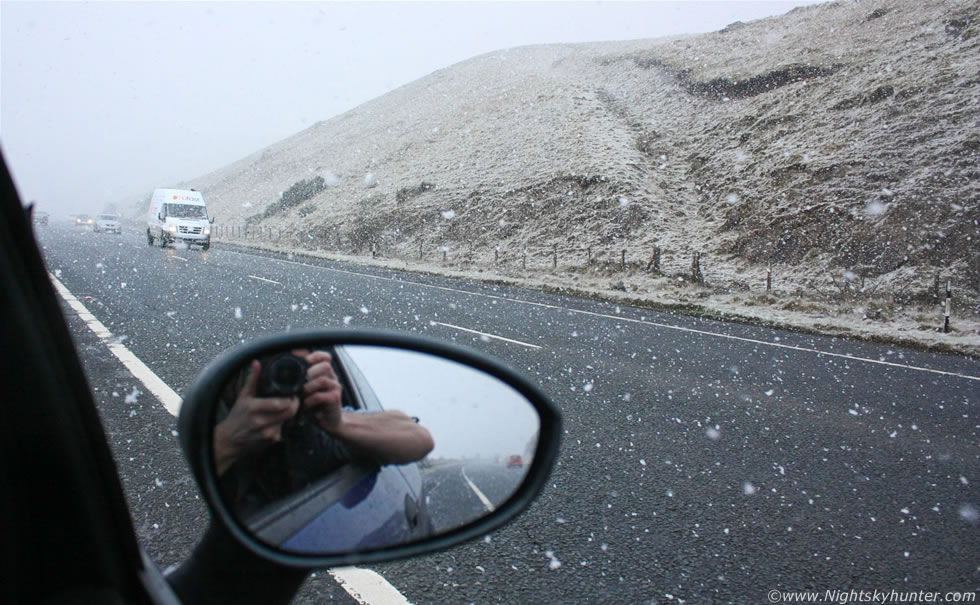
column 186, row 211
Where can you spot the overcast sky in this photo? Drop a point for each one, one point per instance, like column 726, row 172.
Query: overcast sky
column 104, row 101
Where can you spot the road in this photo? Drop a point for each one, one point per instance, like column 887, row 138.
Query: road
column 702, row 461
column 460, row 491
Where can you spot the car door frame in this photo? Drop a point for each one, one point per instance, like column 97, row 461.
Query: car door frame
column 67, row 528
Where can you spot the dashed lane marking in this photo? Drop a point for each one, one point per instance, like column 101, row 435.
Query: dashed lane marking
column 364, row 585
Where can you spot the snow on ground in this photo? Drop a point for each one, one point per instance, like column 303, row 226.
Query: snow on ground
column 837, row 143
column 915, row 326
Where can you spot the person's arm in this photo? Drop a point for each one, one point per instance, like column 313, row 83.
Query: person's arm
column 389, row 437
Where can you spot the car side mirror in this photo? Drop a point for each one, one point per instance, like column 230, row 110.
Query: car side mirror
column 160, row 216
column 211, row 220
column 365, row 446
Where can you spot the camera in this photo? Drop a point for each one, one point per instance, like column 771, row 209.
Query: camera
column 281, row 375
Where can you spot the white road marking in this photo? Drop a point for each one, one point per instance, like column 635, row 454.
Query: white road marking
column 365, row 586
column 486, row 501
column 368, row 587
column 174, row 256
column 642, row 322
column 265, row 280
column 484, row 334
column 167, row 396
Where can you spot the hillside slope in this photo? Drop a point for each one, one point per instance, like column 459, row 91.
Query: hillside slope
column 838, row 142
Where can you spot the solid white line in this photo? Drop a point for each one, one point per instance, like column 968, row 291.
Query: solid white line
column 364, row 585
column 644, row 322
column 486, row 501
column 516, row 342
column 167, row 396
column 368, row 587
column 264, row 279
column 175, row 257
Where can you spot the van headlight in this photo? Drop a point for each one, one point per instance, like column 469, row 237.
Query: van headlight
column 172, row 228
column 207, row 231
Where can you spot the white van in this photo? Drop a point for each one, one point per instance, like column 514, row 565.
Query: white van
column 178, row 215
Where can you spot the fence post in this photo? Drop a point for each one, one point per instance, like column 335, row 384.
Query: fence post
column 444, row 253
column 524, row 259
column 554, row 260
column 420, row 249
column 769, row 278
column 590, row 256
column 949, row 298
column 654, row 260
column 496, row 254
column 696, row 274
column 624, row 260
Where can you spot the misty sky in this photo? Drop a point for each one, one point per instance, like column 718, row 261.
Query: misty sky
column 469, row 414
column 102, row 102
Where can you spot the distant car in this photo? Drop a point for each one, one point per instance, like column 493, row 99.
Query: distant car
column 40, row 217
column 83, row 220
column 107, row 223
column 515, row 461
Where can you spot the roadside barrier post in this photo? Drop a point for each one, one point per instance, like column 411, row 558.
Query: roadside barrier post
column 949, row 298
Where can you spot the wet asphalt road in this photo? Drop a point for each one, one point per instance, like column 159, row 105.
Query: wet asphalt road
column 702, row 461
column 453, row 502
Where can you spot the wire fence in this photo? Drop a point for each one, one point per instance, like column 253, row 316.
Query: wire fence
column 610, row 258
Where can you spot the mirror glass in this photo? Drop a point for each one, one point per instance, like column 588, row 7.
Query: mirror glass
column 354, row 448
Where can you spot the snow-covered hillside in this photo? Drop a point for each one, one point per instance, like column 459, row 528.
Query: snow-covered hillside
column 838, row 143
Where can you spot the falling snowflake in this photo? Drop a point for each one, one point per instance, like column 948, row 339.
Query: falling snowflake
column 875, row 208
column 554, row 563
column 134, row 395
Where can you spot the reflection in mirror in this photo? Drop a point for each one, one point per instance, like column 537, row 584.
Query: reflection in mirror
column 356, row 448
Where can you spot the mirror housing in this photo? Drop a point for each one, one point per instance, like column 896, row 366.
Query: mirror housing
column 196, row 425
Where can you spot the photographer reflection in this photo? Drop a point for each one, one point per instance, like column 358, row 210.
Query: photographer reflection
column 282, row 425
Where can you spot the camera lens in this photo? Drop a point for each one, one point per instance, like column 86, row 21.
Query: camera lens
column 287, row 374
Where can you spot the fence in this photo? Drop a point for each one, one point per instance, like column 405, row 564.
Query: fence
column 529, row 257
